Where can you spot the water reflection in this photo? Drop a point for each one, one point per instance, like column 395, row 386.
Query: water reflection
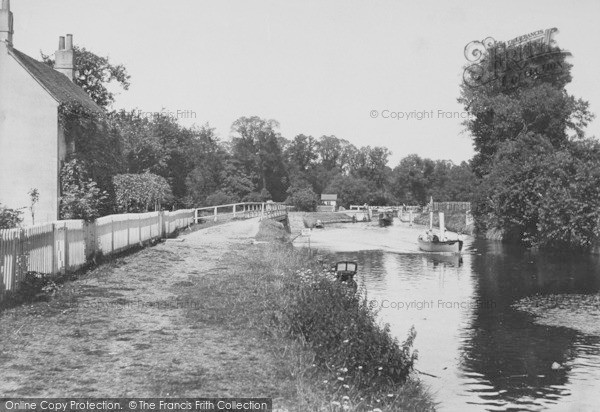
column 478, row 350
column 505, row 346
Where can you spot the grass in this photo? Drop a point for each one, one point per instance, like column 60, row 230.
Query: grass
column 340, row 353
column 203, row 318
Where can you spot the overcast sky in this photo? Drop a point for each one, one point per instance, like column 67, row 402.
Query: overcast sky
column 317, row 67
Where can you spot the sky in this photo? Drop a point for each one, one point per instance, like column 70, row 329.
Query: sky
column 342, row 68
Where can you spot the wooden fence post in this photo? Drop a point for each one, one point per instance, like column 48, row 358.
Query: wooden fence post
column 112, row 234
column 140, row 229
column 54, row 264
column 234, row 211
column 215, row 213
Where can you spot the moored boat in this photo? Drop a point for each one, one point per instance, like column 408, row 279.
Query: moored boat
column 386, row 218
column 344, row 272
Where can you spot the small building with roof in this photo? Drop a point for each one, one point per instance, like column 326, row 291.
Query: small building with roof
column 328, row 203
column 33, row 143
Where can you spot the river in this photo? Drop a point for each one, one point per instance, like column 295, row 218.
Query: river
column 484, row 340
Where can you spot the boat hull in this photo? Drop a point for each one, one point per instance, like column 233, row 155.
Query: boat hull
column 386, row 219
column 451, row 246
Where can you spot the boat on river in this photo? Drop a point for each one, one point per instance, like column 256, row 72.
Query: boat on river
column 435, row 244
column 442, row 241
column 345, row 271
column 386, row 218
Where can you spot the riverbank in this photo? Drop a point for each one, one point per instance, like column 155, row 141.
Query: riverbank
column 454, row 221
column 310, row 218
column 207, row 314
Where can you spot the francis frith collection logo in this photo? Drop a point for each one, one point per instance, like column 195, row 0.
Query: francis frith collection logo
column 506, row 64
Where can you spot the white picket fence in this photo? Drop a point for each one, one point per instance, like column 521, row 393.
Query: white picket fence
column 68, row 245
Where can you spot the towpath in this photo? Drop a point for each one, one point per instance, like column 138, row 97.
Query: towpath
column 123, row 330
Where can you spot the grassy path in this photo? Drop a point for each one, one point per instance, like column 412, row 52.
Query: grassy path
column 136, row 327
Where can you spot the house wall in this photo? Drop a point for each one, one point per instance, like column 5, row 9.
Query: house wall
column 29, row 142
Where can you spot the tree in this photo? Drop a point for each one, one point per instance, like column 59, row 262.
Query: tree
column 94, row 73
column 513, row 90
column 527, row 131
column 255, row 146
column 9, row 218
column 302, row 198
column 81, row 198
column 34, row 198
column 301, row 152
column 371, row 163
column 543, row 196
column 412, row 180
column 350, row 190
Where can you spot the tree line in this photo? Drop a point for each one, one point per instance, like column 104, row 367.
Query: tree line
column 196, row 168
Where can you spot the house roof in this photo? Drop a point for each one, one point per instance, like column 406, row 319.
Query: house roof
column 57, row 84
column 328, row 197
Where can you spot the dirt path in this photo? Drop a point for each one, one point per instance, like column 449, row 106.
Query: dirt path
column 123, row 330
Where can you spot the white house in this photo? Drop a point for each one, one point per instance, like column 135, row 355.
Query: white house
column 32, row 142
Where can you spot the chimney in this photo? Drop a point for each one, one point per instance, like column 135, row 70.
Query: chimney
column 6, row 23
column 65, row 59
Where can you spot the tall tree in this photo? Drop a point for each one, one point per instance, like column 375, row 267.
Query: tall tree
column 255, row 145
column 528, row 134
column 94, row 73
column 513, row 90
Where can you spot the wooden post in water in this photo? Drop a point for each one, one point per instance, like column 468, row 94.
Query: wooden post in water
column 215, row 213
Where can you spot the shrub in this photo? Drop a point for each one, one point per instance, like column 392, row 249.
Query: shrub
column 9, row 218
column 350, row 349
column 139, row 192
column 304, row 200
column 542, row 195
column 81, row 198
column 342, row 329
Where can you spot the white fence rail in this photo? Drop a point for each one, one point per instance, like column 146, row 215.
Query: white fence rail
column 68, row 245
column 241, row 211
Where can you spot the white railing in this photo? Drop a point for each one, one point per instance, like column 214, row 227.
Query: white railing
column 241, row 211
column 68, row 245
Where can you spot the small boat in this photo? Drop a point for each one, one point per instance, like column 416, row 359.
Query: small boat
column 439, row 242
column 386, row 218
column 345, row 271
column 434, row 244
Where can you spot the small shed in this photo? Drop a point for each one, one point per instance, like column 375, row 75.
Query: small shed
column 328, row 203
